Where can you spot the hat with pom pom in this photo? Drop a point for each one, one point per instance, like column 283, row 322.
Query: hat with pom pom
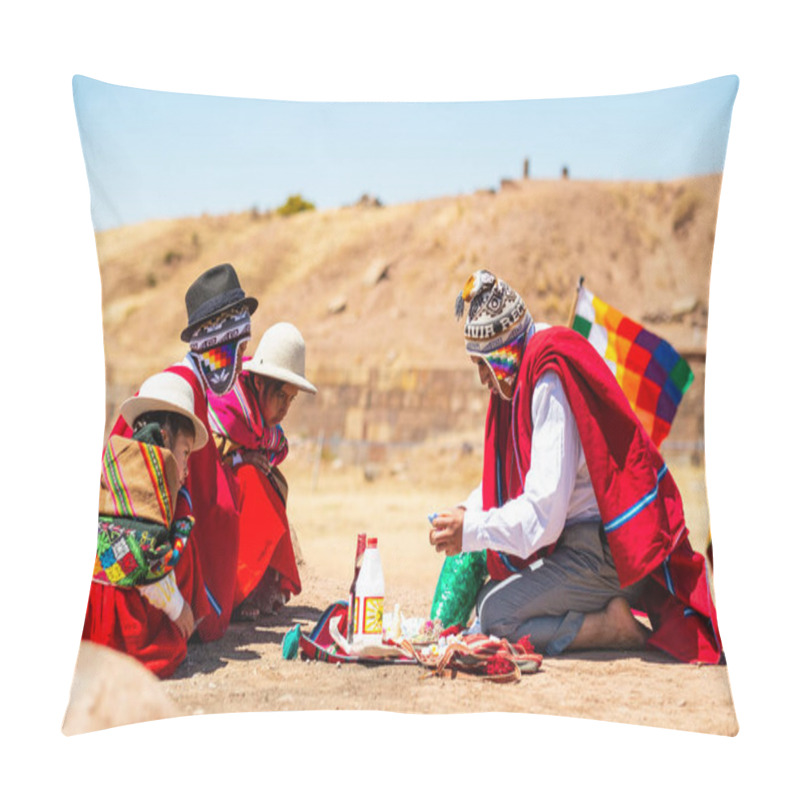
column 496, row 328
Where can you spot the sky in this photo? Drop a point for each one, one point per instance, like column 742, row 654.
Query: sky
column 153, row 154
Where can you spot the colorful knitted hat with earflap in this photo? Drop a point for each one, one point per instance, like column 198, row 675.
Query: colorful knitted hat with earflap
column 215, row 347
column 497, row 326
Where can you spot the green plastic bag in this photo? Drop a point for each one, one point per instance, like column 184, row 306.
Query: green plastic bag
column 459, row 583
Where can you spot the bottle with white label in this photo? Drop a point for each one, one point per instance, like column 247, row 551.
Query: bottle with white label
column 369, row 598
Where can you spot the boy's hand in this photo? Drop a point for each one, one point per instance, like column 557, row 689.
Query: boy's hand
column 448, row 530
column 185, row 621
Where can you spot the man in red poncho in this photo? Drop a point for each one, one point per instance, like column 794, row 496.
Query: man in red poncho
column 580, row 518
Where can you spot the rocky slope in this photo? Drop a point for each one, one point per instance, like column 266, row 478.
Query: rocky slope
column 373, row 287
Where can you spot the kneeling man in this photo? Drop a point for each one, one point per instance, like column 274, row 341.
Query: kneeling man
column 580, row 518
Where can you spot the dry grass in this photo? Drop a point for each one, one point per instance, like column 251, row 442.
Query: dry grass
column 540, row 236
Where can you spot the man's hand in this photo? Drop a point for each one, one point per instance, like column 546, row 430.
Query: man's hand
column 448, row 530
column 257, row 458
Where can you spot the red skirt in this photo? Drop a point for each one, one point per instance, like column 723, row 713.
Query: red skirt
column 125, row 621
column 264, row 537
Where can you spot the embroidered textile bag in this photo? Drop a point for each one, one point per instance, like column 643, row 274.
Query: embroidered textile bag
column 131, row 552
column 139, row 539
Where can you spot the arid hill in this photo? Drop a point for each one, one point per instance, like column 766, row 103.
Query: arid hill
column 373, row 287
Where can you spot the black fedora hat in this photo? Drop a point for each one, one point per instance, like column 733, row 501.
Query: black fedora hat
column 215, row 291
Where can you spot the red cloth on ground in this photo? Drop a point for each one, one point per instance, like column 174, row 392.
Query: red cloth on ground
column 264, row 536
column 626, row 469
column 124, row 620
column 216, row 531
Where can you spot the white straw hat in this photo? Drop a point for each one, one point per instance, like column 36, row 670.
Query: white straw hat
column 281, row 354
column 165, row 391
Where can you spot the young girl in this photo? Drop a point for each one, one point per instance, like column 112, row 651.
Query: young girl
column 246, row 425
column 144, row 582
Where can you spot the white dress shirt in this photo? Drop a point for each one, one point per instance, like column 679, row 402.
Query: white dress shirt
column 557, row 491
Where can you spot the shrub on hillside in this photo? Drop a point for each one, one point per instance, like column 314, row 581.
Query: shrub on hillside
column 294, row 205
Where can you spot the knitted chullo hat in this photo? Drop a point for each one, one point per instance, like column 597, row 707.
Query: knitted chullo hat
column 496, row 328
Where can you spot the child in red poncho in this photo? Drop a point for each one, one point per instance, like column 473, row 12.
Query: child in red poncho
column 144, row 582
column 246, row 428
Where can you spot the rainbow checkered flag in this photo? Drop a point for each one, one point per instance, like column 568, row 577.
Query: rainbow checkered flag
column 652, row 374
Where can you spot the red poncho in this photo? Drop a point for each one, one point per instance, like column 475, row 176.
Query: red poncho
column 264, row 534
column 120, row 618
column 639, row 502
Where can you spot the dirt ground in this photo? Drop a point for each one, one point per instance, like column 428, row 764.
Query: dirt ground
column 245, row 670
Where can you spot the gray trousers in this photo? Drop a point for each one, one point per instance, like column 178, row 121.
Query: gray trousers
column 549, row 599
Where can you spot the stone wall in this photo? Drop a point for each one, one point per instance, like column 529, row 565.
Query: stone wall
column 384, row 406
column 370, row 411
column 391, row 406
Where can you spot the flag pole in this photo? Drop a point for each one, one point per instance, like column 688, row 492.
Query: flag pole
column 575, row 302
